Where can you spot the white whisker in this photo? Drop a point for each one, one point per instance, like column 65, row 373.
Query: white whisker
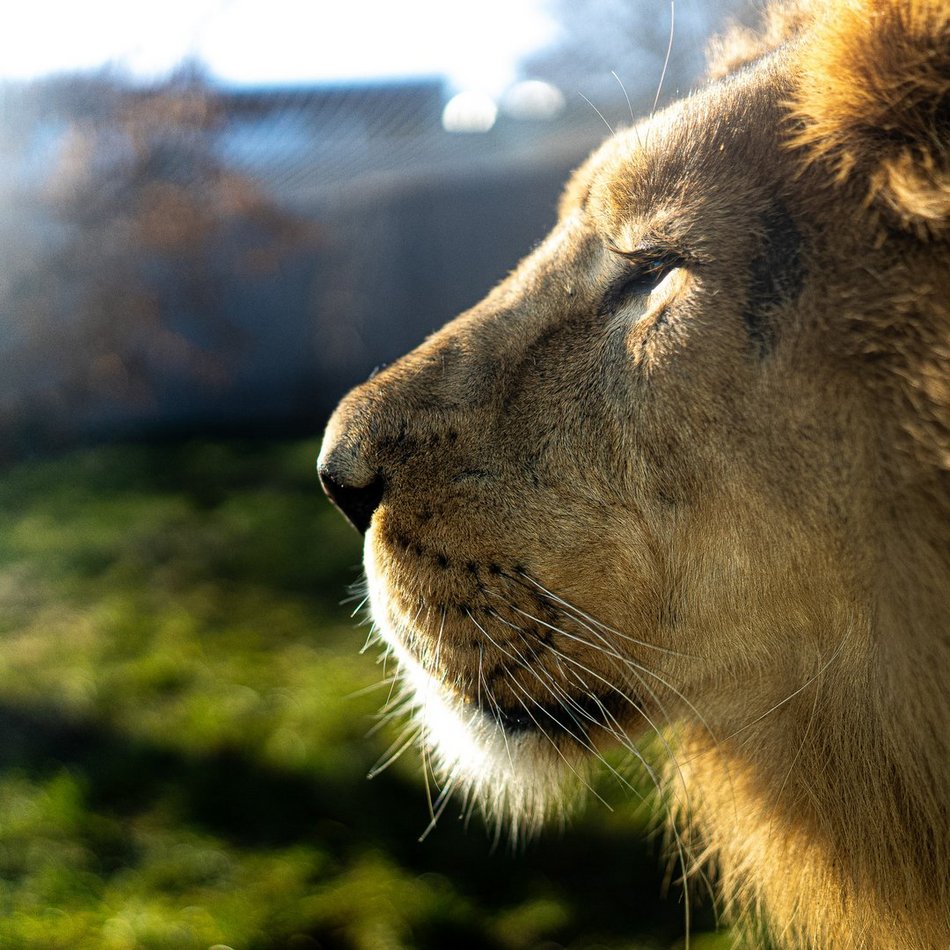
column 795, row 692
column 609, row 650
column 554, row 744
column 683, row 850
column 582, row 615
column 666, row 61
column 623, row 89
column 395, row 750
column 591, row 104
column 611, row 686
column 436, row 811
column 366, row 690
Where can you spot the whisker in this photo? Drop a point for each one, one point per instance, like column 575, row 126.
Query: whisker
column 437, row 656
column 619, row 731
column 366, row 690
column 582, row 615
column 395, row 707
column 371, row 638
column 497, row 716
column 436, row 813
column 426, row 769
column 481, row 674
column 795, row 758
column 358, row 590
column 623, row 89
column 609, row 650
column 613, row 687
column 683, row 850
column 395, row 750
column 605, row 649
column 519, row 659
column 571, row 706
column 554, row 745
column 795, row 692
column 591, row 104
column 666, row 61
column 559, row 696
column 561, row 655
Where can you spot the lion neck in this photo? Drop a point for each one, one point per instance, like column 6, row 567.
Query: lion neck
column 844, row 788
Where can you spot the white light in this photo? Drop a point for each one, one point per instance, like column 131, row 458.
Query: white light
column 278, row 41
column 469, row 112
column 533, row 99
column 48, row 36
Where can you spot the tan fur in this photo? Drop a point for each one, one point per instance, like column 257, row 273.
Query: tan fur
column 741, row 45
column 713, row 503
column 874, row 99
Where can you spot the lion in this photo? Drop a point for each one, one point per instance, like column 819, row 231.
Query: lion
column 686, row 472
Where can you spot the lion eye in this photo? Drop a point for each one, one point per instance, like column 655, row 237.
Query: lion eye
column 640, row 277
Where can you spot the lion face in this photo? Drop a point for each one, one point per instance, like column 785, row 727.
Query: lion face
column 690, row 463
column 575, row 486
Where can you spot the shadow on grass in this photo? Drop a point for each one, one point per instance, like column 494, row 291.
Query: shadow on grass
column 603, row 877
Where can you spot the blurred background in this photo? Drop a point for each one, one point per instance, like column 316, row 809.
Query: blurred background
column 218, row 215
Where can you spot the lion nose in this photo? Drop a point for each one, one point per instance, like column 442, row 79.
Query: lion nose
column 356, row 502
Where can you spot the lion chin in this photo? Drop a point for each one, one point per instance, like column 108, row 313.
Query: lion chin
column 517, row 775
column 685, row 473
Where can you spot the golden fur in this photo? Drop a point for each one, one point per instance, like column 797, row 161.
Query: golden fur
column 687, row 470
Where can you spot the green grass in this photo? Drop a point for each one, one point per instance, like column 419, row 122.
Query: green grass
column 184, row 716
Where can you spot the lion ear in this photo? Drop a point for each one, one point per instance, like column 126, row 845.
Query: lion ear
column 873, row 98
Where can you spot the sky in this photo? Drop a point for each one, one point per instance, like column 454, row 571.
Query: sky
column 476, row 45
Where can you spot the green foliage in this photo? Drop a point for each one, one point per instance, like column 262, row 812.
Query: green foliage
column 185, row 711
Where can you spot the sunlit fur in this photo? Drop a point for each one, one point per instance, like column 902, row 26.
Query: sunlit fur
column 686, row 474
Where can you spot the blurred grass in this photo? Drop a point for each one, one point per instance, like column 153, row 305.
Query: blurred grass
column 184, row 743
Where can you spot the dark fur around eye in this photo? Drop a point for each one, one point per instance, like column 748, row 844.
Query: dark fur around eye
column 639, row 277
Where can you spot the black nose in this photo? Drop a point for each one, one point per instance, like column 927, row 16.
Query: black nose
column 357, row 502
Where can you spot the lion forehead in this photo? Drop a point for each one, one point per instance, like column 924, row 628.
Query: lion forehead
column 699, row 160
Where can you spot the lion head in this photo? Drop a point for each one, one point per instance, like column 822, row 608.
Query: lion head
column 687, row 471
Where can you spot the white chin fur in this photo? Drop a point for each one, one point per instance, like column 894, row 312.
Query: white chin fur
column 518, row 780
